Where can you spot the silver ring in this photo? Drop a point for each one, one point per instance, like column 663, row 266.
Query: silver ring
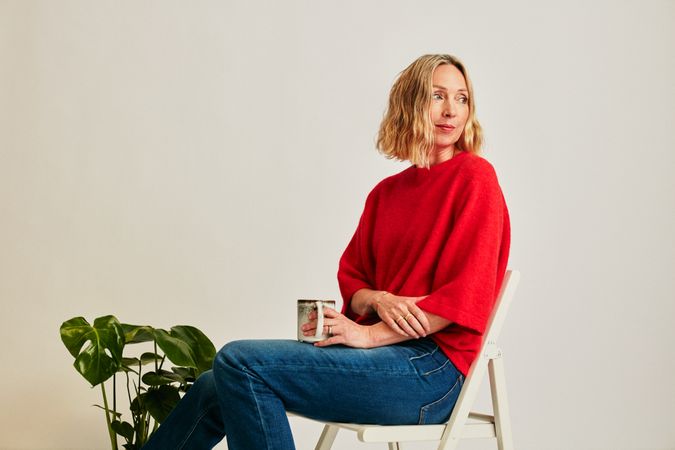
column 330, row 329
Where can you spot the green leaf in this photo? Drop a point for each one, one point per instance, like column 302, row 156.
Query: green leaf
column 161, row 377
column 73, row 334
column 177, row 350
column 188, row 374
column 127, row 369
column 130, row 362
column 124, row 429
column 138, row 404
column 203, row 350
column 133, row 334
column 101, row 359
column 161, row 401
column 149, row 357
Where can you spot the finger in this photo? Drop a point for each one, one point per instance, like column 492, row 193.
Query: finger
column 331, row 327
column 394, row 326
column 327, row 312
column 416, row 325
column 401, row 324
column 330, row 312
column 327, row 330
column 311, row 325
column 405, row 326
column 330, row 322
column 309, row 328
column 330, row 341
column 421, row 318
column 386, row 318
column 309, row 331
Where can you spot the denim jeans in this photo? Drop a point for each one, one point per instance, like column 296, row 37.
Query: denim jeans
column 253, row 383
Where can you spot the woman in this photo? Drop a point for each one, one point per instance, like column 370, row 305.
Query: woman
column 418, row 278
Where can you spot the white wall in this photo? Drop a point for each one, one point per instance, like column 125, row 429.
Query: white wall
column 175, row 162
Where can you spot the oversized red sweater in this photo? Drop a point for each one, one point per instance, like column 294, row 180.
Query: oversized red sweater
column 443, row 233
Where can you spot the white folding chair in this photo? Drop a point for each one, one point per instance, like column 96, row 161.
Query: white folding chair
column 463, row 423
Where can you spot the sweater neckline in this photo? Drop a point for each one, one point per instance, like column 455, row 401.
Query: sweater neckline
column 440, row 166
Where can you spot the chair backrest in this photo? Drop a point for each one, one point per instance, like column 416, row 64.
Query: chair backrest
column 494, row 326
column 471, row 385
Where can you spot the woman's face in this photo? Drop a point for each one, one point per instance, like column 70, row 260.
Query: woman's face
column 449, row 108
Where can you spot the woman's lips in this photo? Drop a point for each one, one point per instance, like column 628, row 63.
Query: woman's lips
column 446, row 128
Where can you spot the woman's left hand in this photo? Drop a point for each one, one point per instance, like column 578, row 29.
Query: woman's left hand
column 403, row 315
column 344, row 331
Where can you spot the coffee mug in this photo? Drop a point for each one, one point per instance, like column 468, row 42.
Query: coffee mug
column 305, row 307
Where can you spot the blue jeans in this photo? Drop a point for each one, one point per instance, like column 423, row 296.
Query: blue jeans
column 253, row 383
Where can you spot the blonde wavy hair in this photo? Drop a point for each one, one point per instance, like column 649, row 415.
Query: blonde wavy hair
column 407, row 132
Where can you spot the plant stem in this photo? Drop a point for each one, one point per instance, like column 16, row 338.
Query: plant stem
column 140, row 367
column 113, row 435
column 126, row 374
column 146, row 421
column 156, row 368
column 140, row 440
column 147, row 426
column 115, row 395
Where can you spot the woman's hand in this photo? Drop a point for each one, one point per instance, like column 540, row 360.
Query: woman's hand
column 343, row 330
column 402, row 314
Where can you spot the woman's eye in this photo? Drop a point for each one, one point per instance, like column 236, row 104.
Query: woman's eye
column 464, row 100
column 438, row 96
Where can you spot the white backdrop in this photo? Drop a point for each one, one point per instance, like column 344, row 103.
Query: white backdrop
column 206, row 163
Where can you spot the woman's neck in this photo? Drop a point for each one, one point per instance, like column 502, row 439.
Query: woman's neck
column 442, row 155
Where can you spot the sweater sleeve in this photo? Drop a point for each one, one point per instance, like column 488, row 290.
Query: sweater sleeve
column 473, row 259
column 356, row 268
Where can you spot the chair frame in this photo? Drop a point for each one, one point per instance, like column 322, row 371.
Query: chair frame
column 463, row 423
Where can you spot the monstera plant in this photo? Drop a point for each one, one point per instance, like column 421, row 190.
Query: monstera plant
column 152, row 390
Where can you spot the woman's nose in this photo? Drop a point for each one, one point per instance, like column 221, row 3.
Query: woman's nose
column 448, row 109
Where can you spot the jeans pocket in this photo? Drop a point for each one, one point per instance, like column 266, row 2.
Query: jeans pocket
column 439, row 410
column 429, row 361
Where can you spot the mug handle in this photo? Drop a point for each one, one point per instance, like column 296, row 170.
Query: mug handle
column 319, row 320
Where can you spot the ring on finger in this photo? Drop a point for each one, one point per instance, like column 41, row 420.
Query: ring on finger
column 330, row 329
column 399, row 318
column 409, row 316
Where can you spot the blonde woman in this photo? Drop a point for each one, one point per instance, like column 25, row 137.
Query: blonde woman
column 418, row 278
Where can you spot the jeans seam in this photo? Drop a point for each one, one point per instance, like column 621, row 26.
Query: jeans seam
column 423, row 355
column 437, row 369
column 350, row 370
column 181, row 445
column 425, row 408
column 257, row 404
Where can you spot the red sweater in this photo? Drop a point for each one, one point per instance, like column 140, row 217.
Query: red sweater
column 443, row 233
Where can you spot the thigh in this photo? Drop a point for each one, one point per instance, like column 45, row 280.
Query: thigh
column 393, row 384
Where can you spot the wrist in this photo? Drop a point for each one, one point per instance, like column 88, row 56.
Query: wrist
column 380, row 334
column 374, row 300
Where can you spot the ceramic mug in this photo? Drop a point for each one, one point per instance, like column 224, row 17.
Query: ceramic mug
column 305, row 307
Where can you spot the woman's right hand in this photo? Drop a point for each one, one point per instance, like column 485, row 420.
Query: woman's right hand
column 402, row 314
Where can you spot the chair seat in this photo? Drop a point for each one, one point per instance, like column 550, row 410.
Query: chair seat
column 479, row 426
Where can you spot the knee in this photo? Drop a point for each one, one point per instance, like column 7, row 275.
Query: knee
column 205, row 381
column 248, row 355
column 204, row 387
column 233, row 356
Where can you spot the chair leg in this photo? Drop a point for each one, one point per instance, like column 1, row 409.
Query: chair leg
column 395, row 446
column 327, row 438
column 500, row 404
